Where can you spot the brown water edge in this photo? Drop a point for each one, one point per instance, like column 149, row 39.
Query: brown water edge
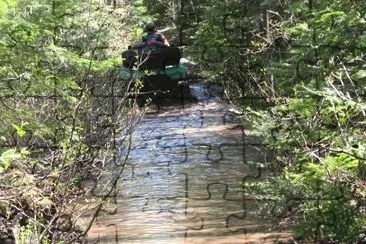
column 183, row 182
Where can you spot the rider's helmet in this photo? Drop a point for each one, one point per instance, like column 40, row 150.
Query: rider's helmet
column 150, row 27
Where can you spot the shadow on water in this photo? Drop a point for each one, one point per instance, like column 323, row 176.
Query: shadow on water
column 183, row 181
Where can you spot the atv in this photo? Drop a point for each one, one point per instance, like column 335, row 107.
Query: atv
column 158, row 69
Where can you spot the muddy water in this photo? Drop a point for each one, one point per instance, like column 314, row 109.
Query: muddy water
column 183, row 181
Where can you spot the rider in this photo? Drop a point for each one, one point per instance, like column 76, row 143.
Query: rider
column 154, row 38
column 153, row 42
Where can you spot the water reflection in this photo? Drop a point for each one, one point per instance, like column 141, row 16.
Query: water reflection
column 183, row 182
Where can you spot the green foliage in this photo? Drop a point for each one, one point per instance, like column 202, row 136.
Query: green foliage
column 317, row 137
column 316, row 128
column 222, row 46
column 318, row 196
column 6, row 158
column 27, row 234
column 306, row 60
column 53, row 53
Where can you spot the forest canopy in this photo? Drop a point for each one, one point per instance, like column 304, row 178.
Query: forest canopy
column 297, row 71
column 54, row 56
column 294, row 69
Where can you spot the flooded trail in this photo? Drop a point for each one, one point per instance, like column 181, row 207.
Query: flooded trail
column 183, row 181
